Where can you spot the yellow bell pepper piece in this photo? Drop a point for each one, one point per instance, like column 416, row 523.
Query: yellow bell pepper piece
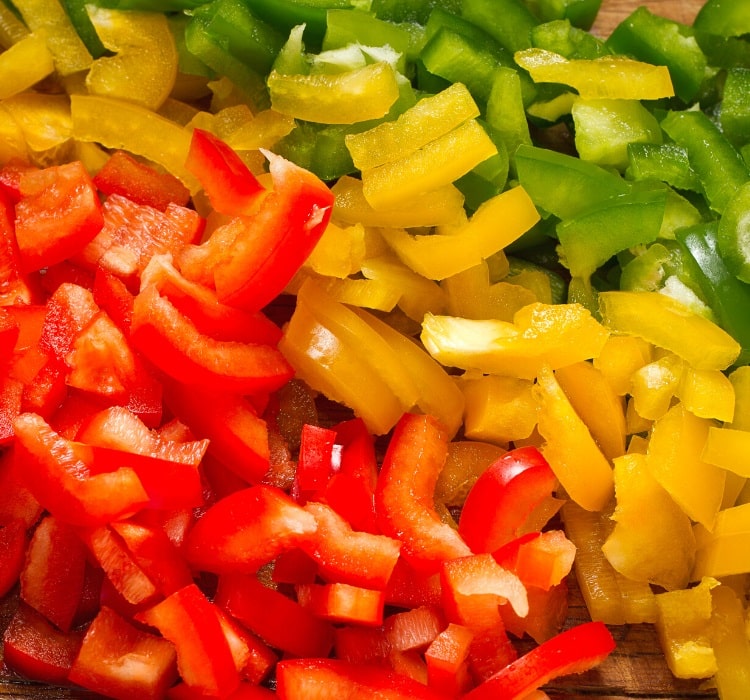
column 658, row 549
column 620, row 357
column 442, row 206
column 575, row 458
column 607, row 77
column 707, row 393
column 342, row 98
column 498, row 410
column 12, row 141
column 369, row 294
column 667, row 323
column 684, row 627
column 674, row 457
column 731, row 645
column 144, row 67
column 49, row 16
column 654, row 386
column 262, row 131
column 24, row 64
column 609, row 596
column 435, row 165
column 437, row 256
column 728, row 448
column 725, row 551
column 429, row 119
column 12, row 30
column 339, row 252
column 536, row 281
column 635, row 423
column 740, row 379
column 131, row 127
column 596, row 403
column 466, row 462
column 45, row 122
column 541, row 334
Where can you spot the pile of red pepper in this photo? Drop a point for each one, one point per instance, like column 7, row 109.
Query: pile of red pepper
column 163, row 531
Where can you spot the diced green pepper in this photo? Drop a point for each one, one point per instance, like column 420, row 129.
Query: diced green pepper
column 580, row 13
column 734, row 233
column 411, row 10
column 505, row 111
column 735, row 107
column 509, row 22
column 723, row 17
column 666, row 162
column 563, row 38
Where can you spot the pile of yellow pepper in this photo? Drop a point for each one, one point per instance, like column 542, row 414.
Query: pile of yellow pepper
column 409, row 303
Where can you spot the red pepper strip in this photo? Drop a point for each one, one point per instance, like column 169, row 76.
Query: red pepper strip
column 447, row 660
column 173, row 343
column 548, row 611
column 101, row 663
column 16, row 501
column 491, row 650
column 253, row 658
column 113, row 296
column 12, row 553
column 341, row 602
column 14, row 286
column 346, row 556
column 201, row 305
column 540, row 559
column 62, row 483
column 319, row 679
column 275, row 242
column 315, row 463
column 412, row 588
column 247, row 529
column 58, row 214
column 279, row 621
column 414, row 629
column 405, row 493
column 11, row 397
column 362, row 645
column 574, row 651
column 124, row 175
column 498, row 506
column 190, row 621
column 53, row 574
column 231, row 188
column 69, row 310
column 35, row 648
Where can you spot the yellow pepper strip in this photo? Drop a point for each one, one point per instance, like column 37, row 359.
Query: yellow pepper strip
column 498, row 222
column 609, row 596
column 369, row 294
column 667, row 323
column 24, row 64
column 12, row 30
column 442, row 206
column 728, row 448
column 341, row 98
column 635, row 423
column 263, row 131
column 658, row 549
column 607, row 77
column 731, row 644
column 120, row 124
column 707, row 393
column 620, row 357
column 70, row 53
column 498, row 409
column 740, row 379
column 429, row 119
column 600, row 408
column 576, row 460
column 144, row 67
column 654, row 385
column 429, row 168
column 339, row 252
column 12, row 141
column 466, row 462
column 684, row 627
column 44, row 120
column 726, row 550
column 674, row 457
column 541, row 334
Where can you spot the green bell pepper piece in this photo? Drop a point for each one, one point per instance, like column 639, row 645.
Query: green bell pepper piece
column 411, row 10
column 735, row 107
column 561, row 37
column 505, row 110
column 734, row 233
column 580, row 13
column 723, row 17
column 666, row 162
column 509, row 22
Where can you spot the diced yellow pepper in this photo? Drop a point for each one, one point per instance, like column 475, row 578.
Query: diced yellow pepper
column 498, row 222
column 262, row 131
column 707, row 393
column 12, row 141
column 442, row 206
column 541, row 334
column 684, row 627
column 731, row 645
column 667, row 323
column 654, row 386
column 658, row 549
column 144, row 67
column 339, row 252
column 465, row 463
column 536, row 281
column 342, row 98
column 608, row 77
column 728, row 448
column 24, row 64
column 726, row 550
column 620, row 357
column 369, row 294
column 576, row 460
column 595, row 402
column 740, row 379
column 435, row 165
column 70, row 53
column 44, row 120
column 635, row 423
column 429, row 119
column 674, row 457
column 498, row 409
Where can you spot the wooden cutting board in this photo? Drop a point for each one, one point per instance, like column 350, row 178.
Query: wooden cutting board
column 636, row 669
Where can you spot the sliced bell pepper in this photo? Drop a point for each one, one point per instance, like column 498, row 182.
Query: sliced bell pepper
column 342, row 603
column 446, row 657
column 24, row 64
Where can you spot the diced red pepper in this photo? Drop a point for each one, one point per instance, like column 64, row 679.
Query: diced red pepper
column 447, row 660
column 548, row 611
column 16, row 500
column 253, row 658
column 411, row 588
column 12, row 553
column 14, row 286
column 342, row 602
column 11, row 397
column 491, row 650
column 362, row 645
column 315, row 463
column 404, row 496
column 113, row 296
column 414, row 629
column 541, row 559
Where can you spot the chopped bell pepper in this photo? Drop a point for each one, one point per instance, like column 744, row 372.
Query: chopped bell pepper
column 24, row 64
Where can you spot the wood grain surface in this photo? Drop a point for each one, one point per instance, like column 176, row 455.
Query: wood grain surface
column 636, row 669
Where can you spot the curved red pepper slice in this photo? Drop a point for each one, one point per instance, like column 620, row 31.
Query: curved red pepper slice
column 405, row 493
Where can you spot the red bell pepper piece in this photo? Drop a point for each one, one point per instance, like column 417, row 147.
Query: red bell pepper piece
column 315, row 463
column 362, row 645
column 53, row 575
column 14, row 285
column 232, row 189
column 275, row 241
column 341, row 602
column 58, row 214
column 573, row 651
column 548, row 611
column 16, row 501
column 253, row 658
column 69, row 310
column 491, row 650
column 62, row 482
column 124, row 175
column 293, row 567
column 35, row 648
column 122, row 661
column 505, row 495
column 113, row 296
column 414, row 629
column 247, row 529
column 316, row 679
column 346, row 556
column 447, row 660
column 412, row 588
column 540, row 559
column 405, row 493
column 190, row 621
column 12, row 553
column 173, row 343
column 11, row 397
column 279, row 621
